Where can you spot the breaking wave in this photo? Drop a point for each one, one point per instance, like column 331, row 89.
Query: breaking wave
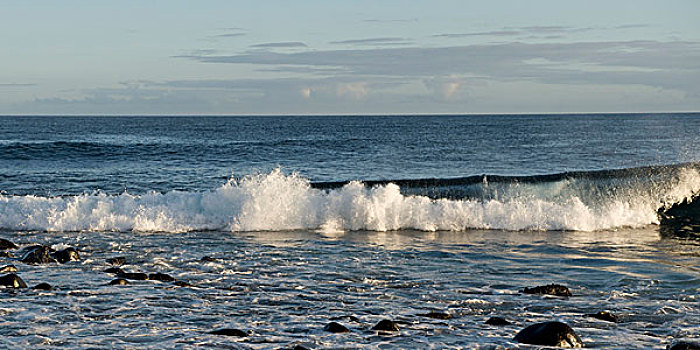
column 576, row 201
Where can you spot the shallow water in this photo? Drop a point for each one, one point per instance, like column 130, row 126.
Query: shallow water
column 283, row 287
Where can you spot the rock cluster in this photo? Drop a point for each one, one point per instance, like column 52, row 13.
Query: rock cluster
column 38, row 254
column 41, row 254
column 552, row 333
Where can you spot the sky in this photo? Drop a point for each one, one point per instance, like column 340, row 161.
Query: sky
column 171, row 57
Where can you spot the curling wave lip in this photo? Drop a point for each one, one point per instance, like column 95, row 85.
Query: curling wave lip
column 585, row 201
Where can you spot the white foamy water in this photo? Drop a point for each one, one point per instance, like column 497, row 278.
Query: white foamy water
column 279, row 202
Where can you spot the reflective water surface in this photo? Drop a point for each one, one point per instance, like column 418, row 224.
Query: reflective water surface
column 283, row 287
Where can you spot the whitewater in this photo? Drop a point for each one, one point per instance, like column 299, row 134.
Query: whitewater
column 279, row 202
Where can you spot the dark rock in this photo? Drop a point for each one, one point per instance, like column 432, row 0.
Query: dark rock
column 160, row 277
column 386, row 325
column 182, row 284
column 38, row 254
column 43, row 286
column 66, row 255
column 550, row 289
column 114, row 270
column 5, row 244
column 207, row 259
column 230, row 332
column 684, row 345
column 605, row 316
column 118, row 282
column 12, row 281
column 437, row 315
column 300, row 347
column 116, row 261
column 34, row 246
column 681, row 220
column 139, row 276
column 335, row 327
column 497, row 321
column 551, row 334
column 4, row 254
column 8, row 268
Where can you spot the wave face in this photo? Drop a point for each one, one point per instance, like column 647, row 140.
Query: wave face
column 579, row 201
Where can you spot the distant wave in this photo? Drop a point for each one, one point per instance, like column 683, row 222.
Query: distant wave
column 71, row 149
column 156, row 147
column 577, row 201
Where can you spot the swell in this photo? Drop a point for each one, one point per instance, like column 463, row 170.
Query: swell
column 156, row 147
column 72, row 149
column 576, row 201
column 477, row 186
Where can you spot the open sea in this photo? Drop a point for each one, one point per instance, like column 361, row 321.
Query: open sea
column 276, row 226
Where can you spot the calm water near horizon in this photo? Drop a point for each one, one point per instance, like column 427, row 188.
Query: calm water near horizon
column 301, row 220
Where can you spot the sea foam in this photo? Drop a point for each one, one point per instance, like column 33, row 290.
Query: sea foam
column 277, row 202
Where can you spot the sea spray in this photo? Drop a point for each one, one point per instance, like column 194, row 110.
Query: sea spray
column 279, row 202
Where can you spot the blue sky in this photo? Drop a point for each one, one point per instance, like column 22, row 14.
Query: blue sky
column 348, row 57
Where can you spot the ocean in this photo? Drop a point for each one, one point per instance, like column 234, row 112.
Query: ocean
column 277, row 225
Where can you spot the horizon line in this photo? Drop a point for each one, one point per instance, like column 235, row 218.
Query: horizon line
column 345, row 114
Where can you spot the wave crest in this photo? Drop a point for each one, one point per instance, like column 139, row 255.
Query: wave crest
column 278, row 202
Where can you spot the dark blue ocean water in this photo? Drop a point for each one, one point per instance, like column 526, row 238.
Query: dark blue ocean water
column 264, row 220
column 73, row 155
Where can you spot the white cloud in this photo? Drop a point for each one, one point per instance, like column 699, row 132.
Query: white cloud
column 674, row 65
column 448, row 89
column 355, row 90
column 512, row 77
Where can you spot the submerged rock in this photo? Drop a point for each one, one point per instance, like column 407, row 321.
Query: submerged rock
column 386, row 325
column 182, row 284
column 551, row 334
column 4, row 254
column 300, row 347
column 116, row 261
column 335, row 327
column 497, row 321
column 114, row 270
column 12, row 281
column 436, row 315
column 684, row 345
column 8, row 268
column 605, row 316
column 118, row 282
column 550, row 289
column 139, row 276
column 43, row 286
column 38, row 254
column 160, row 277
column 5, row 244
column 66, row 255
column 230, row 332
